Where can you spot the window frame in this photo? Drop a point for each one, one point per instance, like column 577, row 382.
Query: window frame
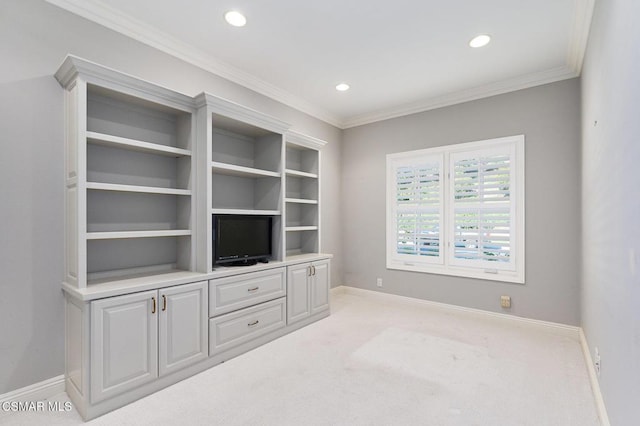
column 513, row 272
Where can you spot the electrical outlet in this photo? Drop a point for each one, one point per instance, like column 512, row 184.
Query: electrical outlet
column 379, row 282
column 597, row 362
column 505, row 301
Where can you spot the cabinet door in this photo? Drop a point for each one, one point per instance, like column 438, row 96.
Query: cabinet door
column 183, row 336
column 298, row 292
column 124, row 343
column 319, row 287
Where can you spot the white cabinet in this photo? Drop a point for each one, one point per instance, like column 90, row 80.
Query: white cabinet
column 183, row 326
column 137, row 337
column 124, row 343
column 307, row 290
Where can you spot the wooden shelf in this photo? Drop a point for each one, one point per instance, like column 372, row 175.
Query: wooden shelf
column 234, row 170
column 247, row 212
column 300, row 228
column 135, row 188
column 136, row 145
column 297, row 173
column 300, row 201
column 114, row 235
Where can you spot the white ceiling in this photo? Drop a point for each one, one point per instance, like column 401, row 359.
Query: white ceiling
column 399, row 56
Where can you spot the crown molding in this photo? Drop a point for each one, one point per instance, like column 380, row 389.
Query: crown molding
column 485, row 91
column 579, row 36
column 236, row 111
column 73, row 67
column 301, row 139
column 102, row 14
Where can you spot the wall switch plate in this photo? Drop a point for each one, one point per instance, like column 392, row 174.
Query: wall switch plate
column 505, row 301
column 379, row 282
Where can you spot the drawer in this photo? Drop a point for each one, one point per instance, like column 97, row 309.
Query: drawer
column 227, row 331
column 240, row 291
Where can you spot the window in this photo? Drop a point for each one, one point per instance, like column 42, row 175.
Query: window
column 458, row 210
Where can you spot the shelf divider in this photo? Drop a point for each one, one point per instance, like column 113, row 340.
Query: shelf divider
column 234, row 170
column 114, row 235
column 298, row 173
column 136, row 145
column 247, row 212
column 136, row 188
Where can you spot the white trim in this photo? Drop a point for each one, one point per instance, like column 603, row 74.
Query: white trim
column 570, row 331
column 37, row 391
column 334, row 291
column 446, row 263
column 239, row 112
column 102, row 14
column 484, row 91
column 109, row 17
column 307, row 141
column 593, row 380
column 582, row 16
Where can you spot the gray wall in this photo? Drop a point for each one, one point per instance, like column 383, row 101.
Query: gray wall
column 34, row 39
column 549, row 117
column 611, row 204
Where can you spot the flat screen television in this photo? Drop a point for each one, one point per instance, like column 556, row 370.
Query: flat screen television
column 240, row 240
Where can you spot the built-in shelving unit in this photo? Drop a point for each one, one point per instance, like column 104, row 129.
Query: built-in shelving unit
column 241, row 169
column 129, row 171
column 302, row 194
column 146, row 169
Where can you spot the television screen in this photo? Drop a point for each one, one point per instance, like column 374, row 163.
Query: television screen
column 241, row 240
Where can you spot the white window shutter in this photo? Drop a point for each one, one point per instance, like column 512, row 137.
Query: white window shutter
column 417, row 199
column 482, row 185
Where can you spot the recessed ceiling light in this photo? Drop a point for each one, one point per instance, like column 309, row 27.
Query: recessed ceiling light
column 235, row 18
column 342, row 87
column 479, row 41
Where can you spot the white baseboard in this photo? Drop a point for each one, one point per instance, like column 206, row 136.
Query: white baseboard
column 37, row 391
column 554, row 327
column 593, row 379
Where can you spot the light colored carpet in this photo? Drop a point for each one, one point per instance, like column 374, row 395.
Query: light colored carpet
column 377, row 362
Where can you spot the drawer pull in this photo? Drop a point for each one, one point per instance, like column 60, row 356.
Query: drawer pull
column 253, row 289
column 251, row 324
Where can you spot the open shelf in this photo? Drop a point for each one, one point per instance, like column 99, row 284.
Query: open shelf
column 301, row 241
column 116, row 235
column 100, row 186
column 123, row 255
column 247, row 212
column 234, row 170
column 302, row 161
column 300, row 228
column 297, row 173
column 135, row 145
column 300, row 201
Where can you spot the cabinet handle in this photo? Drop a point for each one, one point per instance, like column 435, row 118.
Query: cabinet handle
column 253, row 289
column 164, row 302
column 314, row 270
column 153, row 309
column 309, row 271
column 251, row 324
